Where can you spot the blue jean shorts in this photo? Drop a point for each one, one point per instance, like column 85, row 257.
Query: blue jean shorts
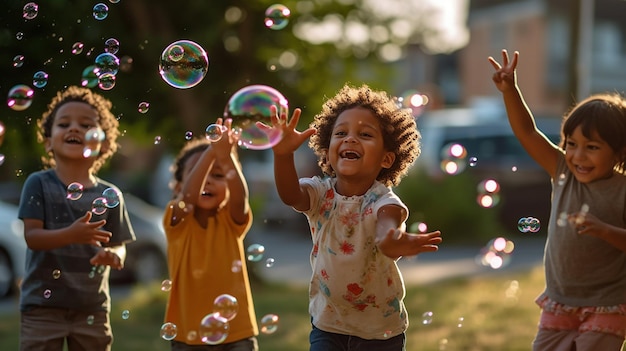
column 325, row 341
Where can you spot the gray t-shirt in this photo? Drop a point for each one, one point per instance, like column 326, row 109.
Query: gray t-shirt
column 582, row 270
column 63, row 277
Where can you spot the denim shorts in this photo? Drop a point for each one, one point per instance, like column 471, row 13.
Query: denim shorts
column 325, row 341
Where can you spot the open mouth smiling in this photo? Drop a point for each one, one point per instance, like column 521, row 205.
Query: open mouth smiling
column 350, row 155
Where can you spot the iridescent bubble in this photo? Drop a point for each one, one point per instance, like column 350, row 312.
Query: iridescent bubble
column 93, row 142
column 112, row 46
column 106, row 63
column 188, row 135
column 47, row 293
column 269, row 323
column 236, row 266
column 112, row 196
column 18, row 61
column 497, row 253
column 56, row 274
column 192, row 335
column 90, row 319
column 214, row 132
column 188, row 70
column 277, row 16
column 100, row 11
column 74, row 191
column 488, row 193
column 20, row 97
column 453, row 158
column 166, row 285
column 125, row 314
column 106, row 81
column 473, row 161
column 175, row 53
column 255, row 252
column 114, row 1
column 157, row 140
column 427, row 317
column 30, row 11
column 143, row 107
column 99, row 206
column 213, row 329
column 77, row 48
column 40, row 79
column 269, row 263
column 89, row 77
column 250, row 105
column 169, row 331
column 226, row 306
column 19, row 35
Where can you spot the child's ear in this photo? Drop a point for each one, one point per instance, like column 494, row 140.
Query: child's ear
column 388, row 159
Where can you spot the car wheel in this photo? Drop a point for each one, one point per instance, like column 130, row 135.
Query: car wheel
column 148, row 265
column 6, row 274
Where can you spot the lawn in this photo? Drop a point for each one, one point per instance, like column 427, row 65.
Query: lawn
column 481, row 313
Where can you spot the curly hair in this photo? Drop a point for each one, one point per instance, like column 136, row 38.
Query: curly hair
column 107, row 121
column 189, row 149
column 605, row 114
column 400, row 134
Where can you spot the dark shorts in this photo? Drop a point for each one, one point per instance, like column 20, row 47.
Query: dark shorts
column 47, row 329
column 249, row 344
column 324, row 341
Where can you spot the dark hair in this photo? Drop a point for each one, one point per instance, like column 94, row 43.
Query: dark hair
column 189, row 149
column 604, row 114
column 106, row 120
column 400, row 134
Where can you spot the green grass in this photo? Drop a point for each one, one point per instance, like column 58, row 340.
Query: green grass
column 483, row 313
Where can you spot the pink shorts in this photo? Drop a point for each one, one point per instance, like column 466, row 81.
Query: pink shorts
column 556, row 316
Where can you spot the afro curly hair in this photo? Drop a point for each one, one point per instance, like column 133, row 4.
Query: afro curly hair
column 400, row 133
column 107, row 121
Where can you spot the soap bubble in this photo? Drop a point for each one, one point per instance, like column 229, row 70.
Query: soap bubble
column 89, row 77
column 112, row 46
column 277, row 16
column 40, row 79
column 74, row 191
column 269, row 323
column 99, row 206
column 250, row 105
column 20, row 97
column 213, row 329
column 107, row 62
column 169, row 331
column 30, row 11
column 184, row 70
column 112, row 196
column 100, row 11
column 214, row 132
column 226, row 305
column 255, row 252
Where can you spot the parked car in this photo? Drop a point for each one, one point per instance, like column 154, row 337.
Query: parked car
column 12, row 249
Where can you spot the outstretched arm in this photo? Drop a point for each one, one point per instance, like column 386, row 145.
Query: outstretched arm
column 82, row 231
column 394, row 243
column 285, row 174
column 538, row 146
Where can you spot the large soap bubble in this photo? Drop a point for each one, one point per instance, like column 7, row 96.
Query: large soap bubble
column 183, row 64
column 250, row 105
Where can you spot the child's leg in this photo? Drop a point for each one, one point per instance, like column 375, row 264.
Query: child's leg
column 601, row 331
column 593, row 341
column 43, row 329
column 554, row 340
column 91, row 331
column 325, row 341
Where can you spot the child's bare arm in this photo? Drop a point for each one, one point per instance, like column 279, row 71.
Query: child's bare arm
column 395, row 243
column 80, row 232
column 538, row 146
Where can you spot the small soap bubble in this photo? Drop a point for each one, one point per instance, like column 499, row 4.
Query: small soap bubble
column 213, row 329
column 561, row 180
column 77, row 48
column 111, row 46
column 100, row 11
column 213, row 132
column 30, row 11
column 169, row 331
column 47, row 293
column 89, row 77
column 56, row 274
column 269, row 263
column 18, row 61
column 453, row 158
column 473, row 161
column 226, row 306
column 250, row 105
column 20, row 97
column 192, row 335
column 99, row 206
column 427, row 318
column 90, row 319
column 19, row 35
column 188, row 135
column 143, row 107
column 460, row 321
column 277, row 16
column 112, row 197
column 488, row 193
column 125, row 314
column 236, row 266
column 166, row 285
column 183, row 70
column 74, row 191
column 269, row 323
column 106, row 81
column 157, row 140
column 106, row 63
column 40, row 79
column 93, row 142
column 255, row 252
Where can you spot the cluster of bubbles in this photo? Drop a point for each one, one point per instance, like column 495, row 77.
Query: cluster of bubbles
column 110, row 197
column 528, row 224
column 488, row 193
column 497, row 253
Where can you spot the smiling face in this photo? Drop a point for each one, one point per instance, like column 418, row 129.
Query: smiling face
column 356, row 149
column 215, row 191
column 589, row 159
column 67, row 137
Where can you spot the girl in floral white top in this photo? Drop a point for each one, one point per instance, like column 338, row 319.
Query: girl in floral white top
column 365, row 144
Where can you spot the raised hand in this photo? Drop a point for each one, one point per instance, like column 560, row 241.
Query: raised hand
column 505, row 78
column 107, row 257
column 84, row 232
column 398, row 243
column 291, row 138
column 228, row 142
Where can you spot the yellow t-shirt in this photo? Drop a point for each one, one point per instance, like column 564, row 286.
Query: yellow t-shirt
column 203, row 264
